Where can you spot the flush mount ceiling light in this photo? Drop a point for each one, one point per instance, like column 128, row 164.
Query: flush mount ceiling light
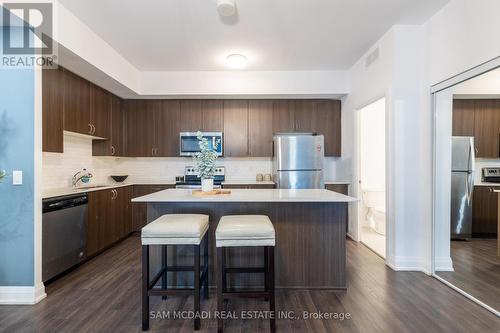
column 226, row 7
column 236, row 61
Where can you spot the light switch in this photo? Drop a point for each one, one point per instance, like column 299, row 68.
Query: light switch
column 17, row 177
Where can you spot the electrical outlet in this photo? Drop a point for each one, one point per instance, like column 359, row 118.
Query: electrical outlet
column 17, row 177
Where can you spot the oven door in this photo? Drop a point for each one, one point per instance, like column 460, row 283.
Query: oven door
column 189, row 144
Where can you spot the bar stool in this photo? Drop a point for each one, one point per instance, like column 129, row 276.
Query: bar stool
column 174, row 229
column 242, row 231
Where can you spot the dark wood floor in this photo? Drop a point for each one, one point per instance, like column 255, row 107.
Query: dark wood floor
column 477, row 269
column 104, row 296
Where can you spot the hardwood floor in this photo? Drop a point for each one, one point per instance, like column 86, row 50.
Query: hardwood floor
column 477, row 269
column 103, row 295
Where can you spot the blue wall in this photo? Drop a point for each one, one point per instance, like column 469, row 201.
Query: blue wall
column 17, row 153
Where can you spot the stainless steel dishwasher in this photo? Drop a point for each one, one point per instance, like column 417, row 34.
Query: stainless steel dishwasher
column 63, row 233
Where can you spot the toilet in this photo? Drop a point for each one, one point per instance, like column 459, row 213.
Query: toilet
column 375, row 203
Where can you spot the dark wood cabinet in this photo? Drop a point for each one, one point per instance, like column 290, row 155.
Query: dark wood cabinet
column 115, row 145
column 109, row 218
column 52, row 110
column 167, row 130
column 485, row 212
column 487, row 127
column 212, row 111
column 326, row 120
column 140, row 210
column 463, row 117
column 191, row 118
column 283, row 116
column 235, row 128
column 339, row 188
column 100, row 116
column 260, row 128
column 76, row 104
column 140, row 117
column 249, row 186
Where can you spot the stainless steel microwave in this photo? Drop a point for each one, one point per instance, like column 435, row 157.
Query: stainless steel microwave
column 189, row 142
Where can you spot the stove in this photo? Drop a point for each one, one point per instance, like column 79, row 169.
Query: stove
column 491, row 175
column 192, row 181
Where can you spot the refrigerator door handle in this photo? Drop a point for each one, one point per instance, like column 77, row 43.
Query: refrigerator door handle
column 469, row 186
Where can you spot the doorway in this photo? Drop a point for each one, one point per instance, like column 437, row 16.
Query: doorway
column 372, row 172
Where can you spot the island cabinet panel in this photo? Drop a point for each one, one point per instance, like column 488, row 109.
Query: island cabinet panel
column 235, row 128
column 260, row 128
column 310, row 242
column 212, row 115
column 167, row 122
column 76, row 104
column 487, row 127
column 463, row 117
column 52, row 110
column 140, row 115
column 115, row 145
column 139, row 210
column 100, row 116
column 191, row 118
column 485, row 212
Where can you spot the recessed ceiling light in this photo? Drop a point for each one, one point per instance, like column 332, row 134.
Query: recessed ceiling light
column 236, row 61
column 226, row 7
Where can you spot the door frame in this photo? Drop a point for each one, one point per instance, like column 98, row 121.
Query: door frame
column 437, row 127
column 357, row 184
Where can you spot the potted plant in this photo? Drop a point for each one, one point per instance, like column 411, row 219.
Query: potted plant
column 205, row 163
column 3, row 174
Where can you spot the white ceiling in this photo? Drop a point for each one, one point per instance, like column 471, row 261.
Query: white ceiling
column 171, row 35
column 486, row 85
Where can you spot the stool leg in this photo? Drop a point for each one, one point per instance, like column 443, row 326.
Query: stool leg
column 205, row 268
column 220, row 301
column 197, row 287
column 223, row 265
column 266, row 271
column 272, row 305
column 145, row 282
column 164, row 277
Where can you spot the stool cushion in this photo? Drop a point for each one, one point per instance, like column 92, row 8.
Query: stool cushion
column 245, row 230
column 175, row 229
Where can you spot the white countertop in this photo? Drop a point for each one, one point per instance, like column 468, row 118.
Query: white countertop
column 58, row 192
column 487, row 184
column 248, row 195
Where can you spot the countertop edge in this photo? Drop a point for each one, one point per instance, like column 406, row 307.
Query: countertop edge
column 61, row 192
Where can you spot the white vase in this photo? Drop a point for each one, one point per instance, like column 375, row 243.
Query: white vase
column 207, row 185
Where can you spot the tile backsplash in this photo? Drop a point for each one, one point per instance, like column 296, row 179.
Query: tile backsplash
column 58, row 169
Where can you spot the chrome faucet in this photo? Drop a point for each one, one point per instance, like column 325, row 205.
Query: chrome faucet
column 79, row 176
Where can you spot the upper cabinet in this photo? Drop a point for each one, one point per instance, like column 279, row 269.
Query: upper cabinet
column 116, row 145
column 140, row 119
column 76, row 104
column 212, row 113
column 100, row 112
column 260, row 128
column 167, row 128
column 52, row 110
column 190, row 116
column 479, row 118
column 235, row 128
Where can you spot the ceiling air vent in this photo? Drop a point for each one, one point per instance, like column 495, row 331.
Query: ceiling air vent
column 372, row 57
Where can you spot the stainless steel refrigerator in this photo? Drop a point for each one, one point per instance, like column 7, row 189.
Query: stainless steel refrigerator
column 298, row 160
column 462, row 186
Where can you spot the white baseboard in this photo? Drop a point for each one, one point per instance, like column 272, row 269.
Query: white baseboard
column 405, row 263
column 444, row 264
column 21, row 295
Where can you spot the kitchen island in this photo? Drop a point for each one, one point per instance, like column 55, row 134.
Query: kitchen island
column 310, row 229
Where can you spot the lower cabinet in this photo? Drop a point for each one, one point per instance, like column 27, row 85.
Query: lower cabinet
column 140, row 210
column 339, row 188
column 485, row 212
column 248, row 186
column 109, row 218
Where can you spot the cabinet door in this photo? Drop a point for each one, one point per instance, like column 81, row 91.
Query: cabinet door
column 339, row 188
column 122, row 213
column 98, row 211
column 140, row 129
column 107, row 224
column 486, row 127
column 463, row 117
column 303, row 113
column 101, row 112
column 52, row 110
column 260, row 128
column 115, row 146
column 283, row 116
column 190, row 116
column 76, row 104
column 235, row 128
column 212, row 112
column 484, row 212
column 140, row 210
column 167, row 129
column 326, row 120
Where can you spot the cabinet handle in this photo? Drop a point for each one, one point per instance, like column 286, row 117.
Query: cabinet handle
column 90, row 128
column 93, row 129
column 152, row 152
column 112, row 150
column 156, row 151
